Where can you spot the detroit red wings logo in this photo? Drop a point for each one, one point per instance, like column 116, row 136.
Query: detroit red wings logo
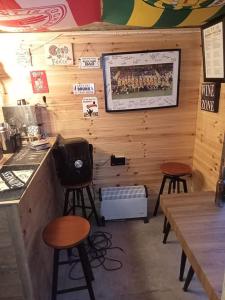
column 35, row 18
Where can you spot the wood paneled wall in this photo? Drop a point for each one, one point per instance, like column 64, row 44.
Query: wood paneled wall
column 208, row 148
column 147, row 137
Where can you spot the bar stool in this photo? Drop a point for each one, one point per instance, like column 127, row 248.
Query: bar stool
column 78, row 201
column 173, row 172
column 65, row 233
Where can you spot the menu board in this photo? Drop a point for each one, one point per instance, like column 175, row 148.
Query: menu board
column 213, row 50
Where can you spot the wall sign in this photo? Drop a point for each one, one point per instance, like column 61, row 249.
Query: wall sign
column 90, row 107
column 39, row 82
column 213, row 51
column 89, row 62
column 83, row 88
column 59, row 54
column 210, row 94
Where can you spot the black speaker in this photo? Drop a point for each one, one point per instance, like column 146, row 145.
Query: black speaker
column 74, row 161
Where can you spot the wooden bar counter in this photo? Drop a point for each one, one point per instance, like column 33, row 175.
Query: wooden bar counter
column 200, row 228
column 25, row 261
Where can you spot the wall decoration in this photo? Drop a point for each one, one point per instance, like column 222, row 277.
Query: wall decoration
column 213, row 51
column 39, row 82
column 59, row 54
column 23, row 56
column 89, row 62
column 210, row 94
column 83, row 88
column 141, row 80
column 161, row 13
column 48, row 15
column 90, row 107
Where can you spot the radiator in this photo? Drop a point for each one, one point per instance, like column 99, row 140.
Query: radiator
column 124, row 202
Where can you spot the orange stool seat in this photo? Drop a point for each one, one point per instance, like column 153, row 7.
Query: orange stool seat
column 175, row 169
column 65, row 233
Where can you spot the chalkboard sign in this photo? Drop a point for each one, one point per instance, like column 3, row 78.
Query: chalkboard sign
column 210, row 94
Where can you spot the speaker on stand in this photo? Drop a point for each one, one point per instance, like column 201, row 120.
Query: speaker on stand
column 74, row 165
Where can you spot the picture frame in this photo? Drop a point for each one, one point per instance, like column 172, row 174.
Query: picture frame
column 141, row 79
column 213, row 50
column 210, row 95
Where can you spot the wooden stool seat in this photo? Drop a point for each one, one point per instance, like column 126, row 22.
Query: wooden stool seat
column 66, row 232
column 176, row 169
column 78, row 186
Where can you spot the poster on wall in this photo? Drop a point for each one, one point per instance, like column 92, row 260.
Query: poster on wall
column 39, row 82
column 83, row 88
column 90, row 107
column 210, row 94
column 213, row 51
column 59, row 54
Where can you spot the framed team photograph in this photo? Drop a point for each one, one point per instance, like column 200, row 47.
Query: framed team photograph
column 141, row 80
column 213, row 50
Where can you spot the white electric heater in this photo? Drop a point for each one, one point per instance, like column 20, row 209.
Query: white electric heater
column 124, row 202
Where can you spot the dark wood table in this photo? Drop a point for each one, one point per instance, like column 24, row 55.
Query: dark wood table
column 200, row 228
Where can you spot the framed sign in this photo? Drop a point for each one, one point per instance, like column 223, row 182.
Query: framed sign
column 213, row 51
column 141, row 80
column 210, row 94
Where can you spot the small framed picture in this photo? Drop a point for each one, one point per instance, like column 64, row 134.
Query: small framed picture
column 213, row 51
column 210, row 94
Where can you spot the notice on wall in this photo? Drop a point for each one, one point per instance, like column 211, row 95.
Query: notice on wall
column 90, row 107
column 210, row 94
column 39, row 82
column 59, row 54
column 83, row 88
column 214, row 51
column 89, row 62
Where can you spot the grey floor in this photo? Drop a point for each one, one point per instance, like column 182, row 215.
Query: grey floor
column 150, row 268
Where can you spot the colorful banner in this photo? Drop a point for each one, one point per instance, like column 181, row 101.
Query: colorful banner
column 162, row 13
column 47, row 15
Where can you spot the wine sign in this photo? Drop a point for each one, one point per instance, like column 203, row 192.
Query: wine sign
column 210, row 94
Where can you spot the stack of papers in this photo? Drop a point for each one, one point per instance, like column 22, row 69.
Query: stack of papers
column 40, row 144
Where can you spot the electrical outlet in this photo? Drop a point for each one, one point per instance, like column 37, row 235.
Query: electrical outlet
column 116, row 161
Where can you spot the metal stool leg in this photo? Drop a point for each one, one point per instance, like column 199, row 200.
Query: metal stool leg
column 168, row 226
column 86, row 269
column 182, row 265
column 160, row 192
column 82, row 203
column 66, row 203
column 92, row 205
column 55, row 274
column 188, row 279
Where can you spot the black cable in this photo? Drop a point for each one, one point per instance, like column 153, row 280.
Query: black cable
column 99, row 244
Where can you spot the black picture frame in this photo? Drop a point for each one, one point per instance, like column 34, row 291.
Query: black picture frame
column 213, row 50
column 210, row 95
column 141, row 79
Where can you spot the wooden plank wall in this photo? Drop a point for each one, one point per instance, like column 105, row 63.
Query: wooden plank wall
column 208, row 148
column 147, row 137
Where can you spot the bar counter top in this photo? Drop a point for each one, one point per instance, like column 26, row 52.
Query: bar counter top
column 19, row 169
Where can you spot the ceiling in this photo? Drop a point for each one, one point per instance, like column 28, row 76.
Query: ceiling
column 58, row 15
